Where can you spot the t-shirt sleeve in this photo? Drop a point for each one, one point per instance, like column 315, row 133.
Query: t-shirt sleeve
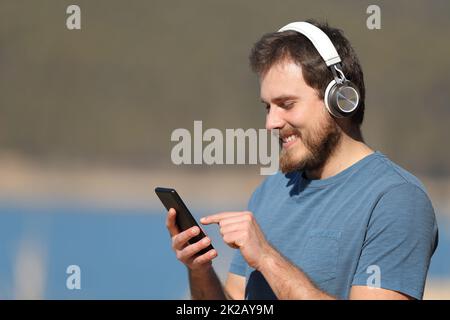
column 400, row 239
column 238, row 264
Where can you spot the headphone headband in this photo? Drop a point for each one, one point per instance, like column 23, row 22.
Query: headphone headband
column 319, row 39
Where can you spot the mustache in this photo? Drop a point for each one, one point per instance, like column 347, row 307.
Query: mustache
column 288, row 132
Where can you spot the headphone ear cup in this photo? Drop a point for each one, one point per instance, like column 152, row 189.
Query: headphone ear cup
column 341, row 99
column 328, row 101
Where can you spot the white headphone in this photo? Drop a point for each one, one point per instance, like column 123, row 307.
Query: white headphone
column 341, row 95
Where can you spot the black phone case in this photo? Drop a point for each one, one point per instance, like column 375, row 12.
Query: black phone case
column 184, row 219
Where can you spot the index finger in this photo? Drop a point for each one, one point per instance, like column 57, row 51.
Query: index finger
column 216, row 218
column 171, row 222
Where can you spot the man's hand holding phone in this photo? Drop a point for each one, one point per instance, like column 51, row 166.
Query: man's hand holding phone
column 239, row 230
column 188, row 253
column 190, row 243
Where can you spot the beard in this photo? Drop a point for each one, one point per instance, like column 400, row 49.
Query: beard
column 319, row 143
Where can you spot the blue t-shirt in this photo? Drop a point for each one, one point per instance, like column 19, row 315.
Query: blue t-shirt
column 371, row 224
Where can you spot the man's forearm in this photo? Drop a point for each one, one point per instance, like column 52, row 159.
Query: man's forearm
column 288, row 281
column 205, row 285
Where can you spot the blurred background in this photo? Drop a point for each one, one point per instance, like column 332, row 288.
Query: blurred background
column 86, row 118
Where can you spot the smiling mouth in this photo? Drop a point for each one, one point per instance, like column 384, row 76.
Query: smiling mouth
column 289, row 139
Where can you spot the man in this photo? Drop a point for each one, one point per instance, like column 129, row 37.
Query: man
column 340, row 221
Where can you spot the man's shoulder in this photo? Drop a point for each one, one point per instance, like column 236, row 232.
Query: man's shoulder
column 395, row 189
column 387, row 174
column 380, row 170
column 378, row 174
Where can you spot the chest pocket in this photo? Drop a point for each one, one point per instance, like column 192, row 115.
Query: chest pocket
column 320, row 254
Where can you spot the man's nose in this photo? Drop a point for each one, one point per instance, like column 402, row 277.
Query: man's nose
column 274, row 119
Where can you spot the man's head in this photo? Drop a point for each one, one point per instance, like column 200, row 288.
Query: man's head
column 293, row 79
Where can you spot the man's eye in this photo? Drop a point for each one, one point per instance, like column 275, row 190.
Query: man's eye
column 288, row 105
column 267, row 107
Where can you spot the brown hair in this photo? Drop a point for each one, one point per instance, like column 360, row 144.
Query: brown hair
column 277, row 46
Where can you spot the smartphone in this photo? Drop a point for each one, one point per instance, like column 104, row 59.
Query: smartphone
column 184, row 219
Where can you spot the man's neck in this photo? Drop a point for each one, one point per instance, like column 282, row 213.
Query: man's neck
column 347, row 152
